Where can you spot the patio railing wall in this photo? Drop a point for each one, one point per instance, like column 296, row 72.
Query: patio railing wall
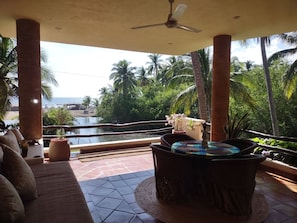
column 155, row 127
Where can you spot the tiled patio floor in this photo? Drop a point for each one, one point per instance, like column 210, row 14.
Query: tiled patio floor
column 109, row 184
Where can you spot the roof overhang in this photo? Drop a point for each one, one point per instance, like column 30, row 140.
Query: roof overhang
column 107, row 23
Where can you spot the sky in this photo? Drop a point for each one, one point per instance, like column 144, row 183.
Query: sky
column 82, row 70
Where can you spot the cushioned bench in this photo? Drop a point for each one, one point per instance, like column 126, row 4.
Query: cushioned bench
column 60, row 198
column 47, row 193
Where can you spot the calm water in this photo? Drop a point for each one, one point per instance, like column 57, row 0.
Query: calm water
column 60, row 101
column 95, row 120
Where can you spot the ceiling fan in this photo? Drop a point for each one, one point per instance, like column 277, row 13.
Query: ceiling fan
column 172, row 20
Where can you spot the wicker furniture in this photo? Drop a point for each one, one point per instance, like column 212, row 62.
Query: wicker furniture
column 178, row 177
column 169, row 139
column 232, row 183
column 225, row 183
column 246, row 146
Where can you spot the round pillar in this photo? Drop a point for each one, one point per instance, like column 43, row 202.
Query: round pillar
column 220, row 86
column 29, row 78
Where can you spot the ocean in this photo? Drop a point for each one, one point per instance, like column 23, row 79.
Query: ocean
column 55, row 102
column 60, row 101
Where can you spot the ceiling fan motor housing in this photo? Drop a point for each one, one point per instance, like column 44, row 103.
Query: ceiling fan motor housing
column 171, row 23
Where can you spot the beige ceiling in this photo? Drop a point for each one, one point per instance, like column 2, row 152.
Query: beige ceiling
column 107, row 23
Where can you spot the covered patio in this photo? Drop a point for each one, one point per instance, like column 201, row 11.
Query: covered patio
column 109, row 185
column 109, row 24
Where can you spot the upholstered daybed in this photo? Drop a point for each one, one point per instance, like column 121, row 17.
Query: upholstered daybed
column 38, row 193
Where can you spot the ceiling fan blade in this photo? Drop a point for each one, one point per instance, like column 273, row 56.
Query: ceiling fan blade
column 187, row 28
column 146, row 26
column 179, row 11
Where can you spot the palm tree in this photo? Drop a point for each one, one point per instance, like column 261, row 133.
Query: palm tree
column 197, row 73
column 95, row 102
column 199, row 82
column 142, row 76
column 179, row 71
column 104, row 91
column 176, row 66
column 154, row 65
column 47, row 78
column 274, row 122
column 9, row 76
column 290, row 77
column 123, row 77
column 190, row 95
column 87, row 101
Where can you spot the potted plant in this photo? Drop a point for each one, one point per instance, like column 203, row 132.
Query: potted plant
column 59, row 148
column 236, row 126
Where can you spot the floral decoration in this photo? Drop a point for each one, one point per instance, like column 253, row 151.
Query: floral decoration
column 175, row 120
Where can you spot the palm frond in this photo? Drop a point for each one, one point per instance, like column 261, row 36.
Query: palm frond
column 281, row 54
column 290, row 80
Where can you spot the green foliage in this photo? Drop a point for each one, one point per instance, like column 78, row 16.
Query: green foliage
column 9, row 75
column 236, row 125
column 87, row 101
column 152, row 103
column 275, row 142
column 276, row 154
column 175, row 80
column 259, row 115
column 57, row 116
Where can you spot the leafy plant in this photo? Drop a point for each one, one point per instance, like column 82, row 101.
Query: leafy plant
column 236, row 126
column 275, row 154
column 57, row 116
column 61, row 133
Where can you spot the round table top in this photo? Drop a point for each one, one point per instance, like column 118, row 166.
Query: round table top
column 195, row 147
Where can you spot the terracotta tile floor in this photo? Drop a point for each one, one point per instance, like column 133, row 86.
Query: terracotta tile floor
column 108, row 186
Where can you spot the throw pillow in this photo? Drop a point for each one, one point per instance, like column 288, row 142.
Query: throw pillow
column 20, row 138
column 11, row 205
column 1, row 155
column 19, row 173
column 10, row 140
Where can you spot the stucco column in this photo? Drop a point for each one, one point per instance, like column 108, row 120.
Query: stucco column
column 220, row 86
column 29, row 78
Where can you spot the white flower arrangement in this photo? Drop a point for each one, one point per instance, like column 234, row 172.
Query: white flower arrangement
column 175, row 120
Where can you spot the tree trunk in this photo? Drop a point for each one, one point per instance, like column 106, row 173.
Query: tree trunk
column 272, row 109
column 199, row 82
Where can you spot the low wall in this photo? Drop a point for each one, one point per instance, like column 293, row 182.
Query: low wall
column 110, row 145
column 193, row 127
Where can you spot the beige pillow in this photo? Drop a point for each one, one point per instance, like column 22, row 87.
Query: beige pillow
column 10, row 140
column 1, row 157
column 19, row 173
column 11, row 205
column 18, row 135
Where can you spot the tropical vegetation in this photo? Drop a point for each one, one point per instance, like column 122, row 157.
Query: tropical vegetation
column 9, row 76
column 57, row 116
column 171, row 85
column 182, row 84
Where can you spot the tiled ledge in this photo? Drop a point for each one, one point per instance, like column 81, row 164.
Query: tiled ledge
column 280, row 168
column 110, row 145
column 101, row 146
